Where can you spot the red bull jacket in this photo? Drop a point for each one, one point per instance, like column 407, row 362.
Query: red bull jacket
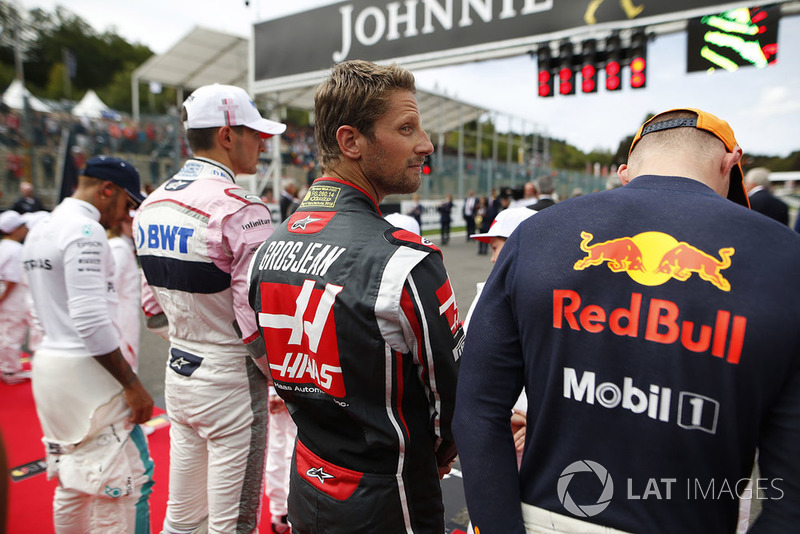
column 363, row 337
column 655, row 329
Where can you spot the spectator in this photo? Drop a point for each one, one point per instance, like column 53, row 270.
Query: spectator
column 370, row 383
column 215, row 387
column 757, row 184
column 469, row 212
column 27, row 202
column 288, row 198
column 13, row 298
column 416, row 210
column 88, row 398
column 445, row 218
column 546, row 188
column 495, row 237
column 127, row 287
column 530, row 195
column 656, row 365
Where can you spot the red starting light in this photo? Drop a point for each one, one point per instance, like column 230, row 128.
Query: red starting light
column 638, row 72
column 544, row 57
column 565, row 76
column 612, row 76
column 638, row 61
column 545, row 83
column 589, row 79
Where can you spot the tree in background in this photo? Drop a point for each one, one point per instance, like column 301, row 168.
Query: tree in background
column 100, row 61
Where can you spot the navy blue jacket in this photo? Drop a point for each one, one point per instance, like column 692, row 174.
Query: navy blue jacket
column 655, row 329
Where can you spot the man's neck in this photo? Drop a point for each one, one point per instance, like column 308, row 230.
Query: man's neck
column 354, row 175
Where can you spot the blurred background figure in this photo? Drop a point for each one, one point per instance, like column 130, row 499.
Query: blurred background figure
column 27, row 202
column 288, row 200
column 445, row 218
column 127, row 283
column 546, row 187
column 416, row 211
column 756, row 182
column 469, row 211
column 530, row 195
column 13, row 298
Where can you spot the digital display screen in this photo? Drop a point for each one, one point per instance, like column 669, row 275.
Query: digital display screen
column 736, row 38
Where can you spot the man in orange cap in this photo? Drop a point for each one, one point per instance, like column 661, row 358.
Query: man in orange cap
column 654, row 354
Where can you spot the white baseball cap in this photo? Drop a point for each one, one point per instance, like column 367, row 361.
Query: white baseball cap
column 504, row 223
column 213, row 106
column 34, row 218
column 406, row 222
column 10, row 220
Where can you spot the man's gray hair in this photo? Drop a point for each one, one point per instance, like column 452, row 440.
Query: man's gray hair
column 545, row 184
column 757, row 176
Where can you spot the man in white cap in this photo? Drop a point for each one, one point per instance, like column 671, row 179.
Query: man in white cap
column 13, row 297
column 88, row 399
column 195, row 236
column 501, row 229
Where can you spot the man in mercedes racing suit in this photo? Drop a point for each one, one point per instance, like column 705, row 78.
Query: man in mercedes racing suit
column 87, row 396
column 360, row 321
column 195, row 236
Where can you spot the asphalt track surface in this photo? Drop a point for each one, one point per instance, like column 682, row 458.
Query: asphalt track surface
column 465, row 267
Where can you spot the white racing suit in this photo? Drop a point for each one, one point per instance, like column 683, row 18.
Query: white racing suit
column 100, row 458
column 280, row 446
column 195, row 236
column 13, row 309
column 127, row 282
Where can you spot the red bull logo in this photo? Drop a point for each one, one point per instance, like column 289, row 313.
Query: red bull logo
column 652, row 258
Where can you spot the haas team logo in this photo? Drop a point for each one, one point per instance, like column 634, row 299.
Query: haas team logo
column 652, row 258
column 300, row 335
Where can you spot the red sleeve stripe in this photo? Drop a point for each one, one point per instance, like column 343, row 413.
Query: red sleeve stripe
column 426, row 356
column 411, row 316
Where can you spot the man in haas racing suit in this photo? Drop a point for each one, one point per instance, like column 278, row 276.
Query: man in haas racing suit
column 196, row 235
column 360, row 321
column 655, row 356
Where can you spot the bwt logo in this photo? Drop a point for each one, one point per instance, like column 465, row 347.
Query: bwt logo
column 165, row 237
column 590, row 509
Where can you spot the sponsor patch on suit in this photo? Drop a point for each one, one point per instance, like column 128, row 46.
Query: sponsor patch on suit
column 182, row 362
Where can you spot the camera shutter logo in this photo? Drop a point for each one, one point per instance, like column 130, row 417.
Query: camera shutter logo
column 585, row 510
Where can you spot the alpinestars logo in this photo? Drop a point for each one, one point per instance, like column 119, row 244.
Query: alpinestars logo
column 319, row 473
column 302, row 223
column 585, row 510
column 179, row 363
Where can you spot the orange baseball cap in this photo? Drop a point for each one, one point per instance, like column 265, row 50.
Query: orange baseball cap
column 711, row 124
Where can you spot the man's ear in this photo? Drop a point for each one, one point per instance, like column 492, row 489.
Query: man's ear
column 622, row 172
column 225, row 136
column 730, row 160
column 349, row 139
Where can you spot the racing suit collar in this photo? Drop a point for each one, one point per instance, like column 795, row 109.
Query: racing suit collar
column 217, row 164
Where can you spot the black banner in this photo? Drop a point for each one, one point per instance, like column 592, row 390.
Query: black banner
column 378, row 30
